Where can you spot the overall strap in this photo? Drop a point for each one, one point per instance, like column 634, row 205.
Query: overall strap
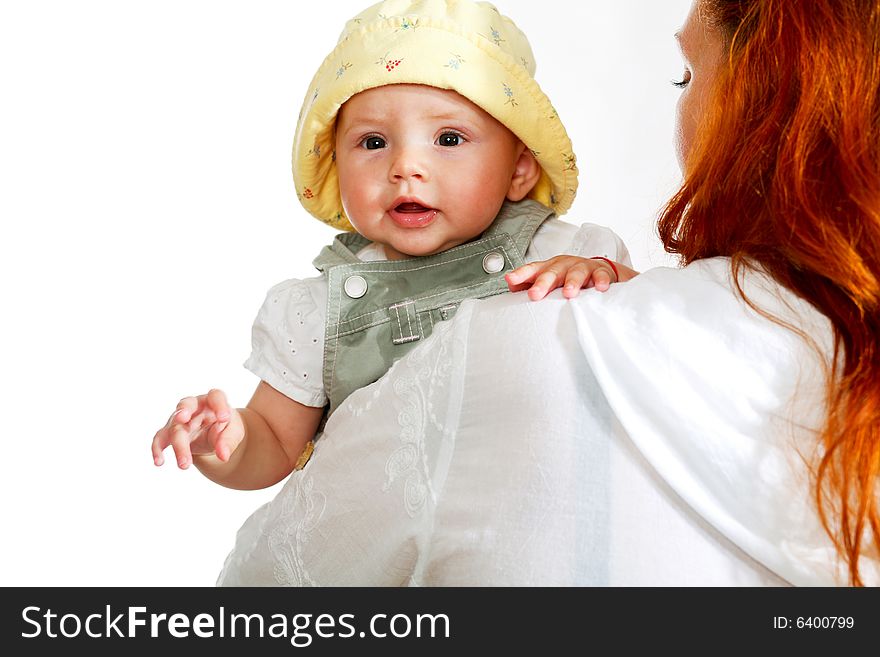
column 342, row 251
column 519, row 220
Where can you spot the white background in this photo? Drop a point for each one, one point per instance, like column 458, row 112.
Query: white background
column 147, row 205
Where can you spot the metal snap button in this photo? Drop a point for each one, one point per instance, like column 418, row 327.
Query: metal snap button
column 493, row 262
column 355, row 286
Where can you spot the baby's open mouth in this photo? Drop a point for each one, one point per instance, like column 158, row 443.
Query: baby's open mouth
column 411, row 207
column 411, row 214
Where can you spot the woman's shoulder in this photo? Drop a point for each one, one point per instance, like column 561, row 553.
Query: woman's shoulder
column 713, row 284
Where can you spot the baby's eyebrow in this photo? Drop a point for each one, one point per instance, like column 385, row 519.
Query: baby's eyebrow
column 446, row 116
column 359, row 122
column 366, row 121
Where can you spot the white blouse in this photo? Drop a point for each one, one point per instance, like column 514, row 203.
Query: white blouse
column 650, row 435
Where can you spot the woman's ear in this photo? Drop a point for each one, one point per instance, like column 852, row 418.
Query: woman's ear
column 526, row 174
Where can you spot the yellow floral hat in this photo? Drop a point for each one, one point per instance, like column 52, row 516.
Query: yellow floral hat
column 465, row 46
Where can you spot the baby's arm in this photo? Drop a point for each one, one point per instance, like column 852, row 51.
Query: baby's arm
column 572, row 273
column 248, row 448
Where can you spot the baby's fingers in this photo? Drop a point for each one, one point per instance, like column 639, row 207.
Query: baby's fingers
column 216, row 401
column 163, row 436
column 177, row 437
column 191, row 414
column 215, row 439
column 575, row 279
column 160, row 442
column 545, row 282
column 602, row 279
column 521, row 277
column 180, row 444
column 186, row 408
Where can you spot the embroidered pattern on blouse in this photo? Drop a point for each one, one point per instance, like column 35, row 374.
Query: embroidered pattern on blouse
column 298, row 513
column 415, row 386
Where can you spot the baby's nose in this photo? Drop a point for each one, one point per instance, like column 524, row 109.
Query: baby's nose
column 409, row 164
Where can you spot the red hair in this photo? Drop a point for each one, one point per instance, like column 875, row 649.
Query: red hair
column 786, row 177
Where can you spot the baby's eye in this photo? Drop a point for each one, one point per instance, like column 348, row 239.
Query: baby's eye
column 372, row 143
column 450, row 139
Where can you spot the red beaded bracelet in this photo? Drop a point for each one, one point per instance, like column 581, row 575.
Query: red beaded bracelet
column 610, row 264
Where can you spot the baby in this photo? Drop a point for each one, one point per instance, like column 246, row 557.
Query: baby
column 425, row 137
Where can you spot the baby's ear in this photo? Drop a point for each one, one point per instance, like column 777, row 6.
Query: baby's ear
column 525, row 175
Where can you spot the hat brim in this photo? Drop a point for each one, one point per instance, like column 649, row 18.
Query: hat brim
column 437, row 54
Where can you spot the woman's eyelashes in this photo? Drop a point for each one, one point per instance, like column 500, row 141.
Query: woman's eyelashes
column 684, row 80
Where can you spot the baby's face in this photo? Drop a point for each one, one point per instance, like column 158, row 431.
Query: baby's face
column 421, row 169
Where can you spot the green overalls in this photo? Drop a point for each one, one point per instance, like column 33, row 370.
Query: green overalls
column 378, row 311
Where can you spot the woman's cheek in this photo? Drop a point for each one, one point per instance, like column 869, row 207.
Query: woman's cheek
column 684, row 129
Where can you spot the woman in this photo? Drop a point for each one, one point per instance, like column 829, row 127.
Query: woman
column 786, row 179
column 715, row 424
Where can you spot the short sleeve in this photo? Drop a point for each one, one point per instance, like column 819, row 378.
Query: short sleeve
column 555, row 237
column 287, row 340
column 594, row 240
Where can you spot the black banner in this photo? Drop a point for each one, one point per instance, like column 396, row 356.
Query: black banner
column 330, row 621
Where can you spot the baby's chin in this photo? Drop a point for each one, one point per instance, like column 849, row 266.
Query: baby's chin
column 418, row 248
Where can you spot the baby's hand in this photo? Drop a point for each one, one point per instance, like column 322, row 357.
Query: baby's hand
column 572, row 273
column 200, row 425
